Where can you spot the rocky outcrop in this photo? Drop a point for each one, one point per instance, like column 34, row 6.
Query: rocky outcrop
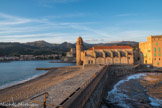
column 147, row 68
column 120, row 70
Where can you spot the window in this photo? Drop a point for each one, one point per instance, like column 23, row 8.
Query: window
column 159, row 58
column 157, row 63
column 91, row 61
column 154, row 49
column 154, row 58
column 88, row 61
column 156, row 43
column 159, row 49
column 154, row 54
column 159, row 54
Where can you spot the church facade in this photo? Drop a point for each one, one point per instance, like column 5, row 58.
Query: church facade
column 103, row 54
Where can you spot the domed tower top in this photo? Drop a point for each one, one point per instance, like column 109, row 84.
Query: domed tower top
column 80, row 41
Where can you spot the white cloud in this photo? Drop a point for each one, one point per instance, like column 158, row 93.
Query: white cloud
column 31, row 35
column 67, row 15
column 98, row 32
column 17, row 29
column 12, row 20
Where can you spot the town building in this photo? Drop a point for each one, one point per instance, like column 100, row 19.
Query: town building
column 70, row 56
column 150, row 51
column 103, row 54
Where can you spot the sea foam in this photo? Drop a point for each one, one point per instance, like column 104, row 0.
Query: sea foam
column 116, row 96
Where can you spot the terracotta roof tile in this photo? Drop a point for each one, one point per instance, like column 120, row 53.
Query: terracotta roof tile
column 113, row 47
column 89, row 49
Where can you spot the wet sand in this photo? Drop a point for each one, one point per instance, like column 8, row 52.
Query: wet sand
column 58, row 82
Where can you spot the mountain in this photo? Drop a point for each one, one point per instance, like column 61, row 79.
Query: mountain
column 43, row 47
column 66, row 45
column 9, row 49
column 41, row 44
column 131, row 43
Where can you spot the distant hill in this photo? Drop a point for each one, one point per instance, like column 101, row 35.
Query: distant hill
column 43, row 47
column 41, row 44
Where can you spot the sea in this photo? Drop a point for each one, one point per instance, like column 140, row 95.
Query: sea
column 16, row 72
column 142, row 90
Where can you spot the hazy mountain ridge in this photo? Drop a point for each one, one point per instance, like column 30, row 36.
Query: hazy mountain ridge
column 43, row 47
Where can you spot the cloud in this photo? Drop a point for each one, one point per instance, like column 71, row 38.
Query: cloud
column 18, row 29
column 66, row 15
column 32, row 35
column 12, row 20
column 101, row 33
column 41, row 28
column 49, row 37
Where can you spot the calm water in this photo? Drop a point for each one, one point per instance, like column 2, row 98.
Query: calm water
column 19, row 71
column 139, row 90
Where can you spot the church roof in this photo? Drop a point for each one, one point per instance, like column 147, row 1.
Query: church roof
column 110, row 47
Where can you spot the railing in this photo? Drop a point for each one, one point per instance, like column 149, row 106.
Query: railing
column 44, row 103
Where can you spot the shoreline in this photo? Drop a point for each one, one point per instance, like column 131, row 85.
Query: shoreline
column 24, row 81
column 30, row 82
column 42, row 72
column 116, row 79
column 48, row 81
column 32, row 79
column 112, row 82
column 8, row 61
column 21, row 81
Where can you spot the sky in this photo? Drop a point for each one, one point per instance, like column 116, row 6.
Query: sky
column 96, row 21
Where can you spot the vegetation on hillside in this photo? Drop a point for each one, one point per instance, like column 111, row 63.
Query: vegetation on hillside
column 45, row 48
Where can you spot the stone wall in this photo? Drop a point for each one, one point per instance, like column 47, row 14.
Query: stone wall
column 96, row 97
column 113, row 71
column 120, row 70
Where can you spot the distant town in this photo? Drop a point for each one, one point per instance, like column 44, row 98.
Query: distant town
column 30, row 57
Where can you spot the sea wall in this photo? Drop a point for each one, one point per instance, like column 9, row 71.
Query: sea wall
column 96, row 96
column 100, row 91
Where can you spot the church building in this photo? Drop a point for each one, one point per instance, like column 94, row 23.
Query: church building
column 103, row 54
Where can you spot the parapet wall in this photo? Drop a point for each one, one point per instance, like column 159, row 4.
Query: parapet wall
column 96, row 96
column 89, row 94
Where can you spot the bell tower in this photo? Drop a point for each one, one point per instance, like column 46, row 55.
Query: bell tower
column 79, row 48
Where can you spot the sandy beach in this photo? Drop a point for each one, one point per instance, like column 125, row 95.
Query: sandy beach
column 58, row 82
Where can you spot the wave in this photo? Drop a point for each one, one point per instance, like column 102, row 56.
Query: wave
column 116, row 96
column 155, row 102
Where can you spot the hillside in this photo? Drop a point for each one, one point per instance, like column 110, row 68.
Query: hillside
column 42, row 47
